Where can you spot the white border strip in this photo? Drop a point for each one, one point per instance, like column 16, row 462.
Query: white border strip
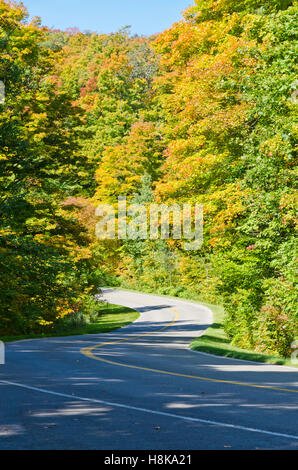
column 244, row 361
column 153, row 412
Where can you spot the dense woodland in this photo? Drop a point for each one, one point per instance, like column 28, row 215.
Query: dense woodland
column 201, row 113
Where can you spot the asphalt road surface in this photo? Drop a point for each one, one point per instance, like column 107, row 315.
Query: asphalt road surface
column 142, row 388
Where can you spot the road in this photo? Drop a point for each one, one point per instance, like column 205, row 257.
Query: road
column 142, row 388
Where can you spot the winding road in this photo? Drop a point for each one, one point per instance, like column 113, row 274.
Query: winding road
column 142, row 388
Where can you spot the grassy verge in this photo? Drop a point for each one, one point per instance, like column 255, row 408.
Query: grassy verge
column 112, row 317
column 215, row 341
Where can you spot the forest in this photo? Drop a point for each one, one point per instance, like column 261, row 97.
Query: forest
column 202, row 113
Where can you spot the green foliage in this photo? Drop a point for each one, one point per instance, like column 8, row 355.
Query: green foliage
column 44, row 269
column 109, row 77
column 200, row 114
column 222, row 101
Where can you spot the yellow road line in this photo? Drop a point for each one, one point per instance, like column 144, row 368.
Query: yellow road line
column 88, row 352
column 132, row 338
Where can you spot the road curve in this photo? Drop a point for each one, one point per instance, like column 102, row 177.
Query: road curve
column 142, row 388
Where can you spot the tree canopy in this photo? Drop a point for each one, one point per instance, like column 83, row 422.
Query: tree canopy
column 201, row 113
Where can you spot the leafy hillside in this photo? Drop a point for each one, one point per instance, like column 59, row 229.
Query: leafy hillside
column 201, row 113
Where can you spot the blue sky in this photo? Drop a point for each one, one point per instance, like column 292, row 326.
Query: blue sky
column 105, row 16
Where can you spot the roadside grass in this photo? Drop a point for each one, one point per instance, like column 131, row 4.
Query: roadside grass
column 112, row 317
column 215, row 340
